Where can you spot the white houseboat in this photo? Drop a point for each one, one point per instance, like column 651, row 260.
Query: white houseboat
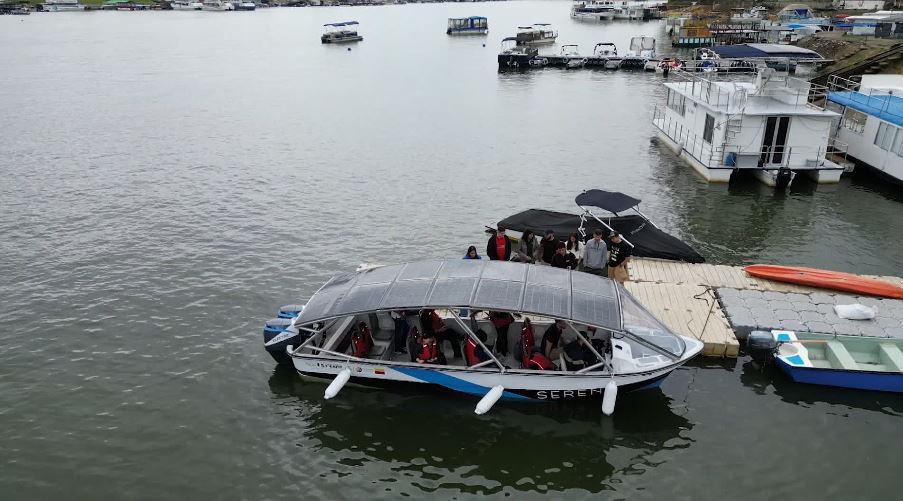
column 764, row 124
column 872, row 123
column 537, row 34
column 594, row 10
column 61, row 5
column 186, row 5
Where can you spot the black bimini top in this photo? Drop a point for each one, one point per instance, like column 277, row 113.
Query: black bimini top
column 612, row 201
column 477, row 284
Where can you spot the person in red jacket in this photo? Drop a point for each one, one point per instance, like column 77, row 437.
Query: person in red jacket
column 498, row 248
column 473, row 352
column 429, row 350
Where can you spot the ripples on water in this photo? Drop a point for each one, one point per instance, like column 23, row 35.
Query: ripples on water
column 170, row 178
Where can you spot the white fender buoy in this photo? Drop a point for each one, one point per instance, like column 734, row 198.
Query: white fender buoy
column 491, row 397
column 608, row 400
column 336, row 385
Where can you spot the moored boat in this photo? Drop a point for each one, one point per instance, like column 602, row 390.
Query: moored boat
column 537, row 34
column 474, row 25
column 217, row 6
column 593, row 10
column 245, row 6
column 516, row 56
column 343, row 32
column 186, row 5
column 349, row 335
column 641, row 55
column 857, row 362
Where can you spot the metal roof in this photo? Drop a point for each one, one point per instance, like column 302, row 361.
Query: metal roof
column 884, row 106
column 474, row 284
column 344, row 23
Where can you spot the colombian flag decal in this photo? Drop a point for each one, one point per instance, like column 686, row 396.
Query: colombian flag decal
column 379, row 370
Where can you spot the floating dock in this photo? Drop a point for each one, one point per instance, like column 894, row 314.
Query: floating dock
column 718, row 304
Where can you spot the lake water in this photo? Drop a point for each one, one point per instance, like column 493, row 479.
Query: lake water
column 170, row 178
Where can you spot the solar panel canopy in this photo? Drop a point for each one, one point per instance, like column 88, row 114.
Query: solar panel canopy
column 473, row 284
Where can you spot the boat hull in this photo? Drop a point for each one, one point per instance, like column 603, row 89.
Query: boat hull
column 521, row 385
column 859, row 380
column 515, row 60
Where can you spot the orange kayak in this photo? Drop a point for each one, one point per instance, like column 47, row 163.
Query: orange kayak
column 826, row 279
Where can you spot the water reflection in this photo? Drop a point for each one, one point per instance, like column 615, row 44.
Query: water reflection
column 440, row 444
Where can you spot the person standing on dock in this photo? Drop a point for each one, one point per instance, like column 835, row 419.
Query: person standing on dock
column 498, row 248
column 618, row 256
column 595, row 255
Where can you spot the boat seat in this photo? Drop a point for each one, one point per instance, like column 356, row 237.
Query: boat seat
column 381, row 349
column 891, row 356
column 839, row 357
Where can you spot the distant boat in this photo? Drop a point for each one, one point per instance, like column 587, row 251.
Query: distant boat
column 857, row 362
column 537, row 34
column 473, row 25
column 186, row 5
column 217, row 5
column 244, row 6
column 572, row 57
column 62, row 5
column 593, row 10
column 343, row 32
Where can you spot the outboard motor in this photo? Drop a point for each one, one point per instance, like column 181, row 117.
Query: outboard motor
column 277, row 337
column 290, row 310
column 761, row 346
column 783, row 178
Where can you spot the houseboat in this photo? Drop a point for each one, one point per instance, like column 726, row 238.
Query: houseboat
column 61, row 6
column 537, row 34
column 245, row 6
column 763, row 123
column 343, row 32
column 473, row 25
column 217, row 6
column 345, row 334
column 593, row 10
column 186, row 5
column 639, row 9
column 872, row 123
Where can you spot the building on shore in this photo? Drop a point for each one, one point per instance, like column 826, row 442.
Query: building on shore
column 766, row 125
column 872, row 122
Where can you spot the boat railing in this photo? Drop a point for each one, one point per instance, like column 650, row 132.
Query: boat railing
column 877, row 99
column 689, row 141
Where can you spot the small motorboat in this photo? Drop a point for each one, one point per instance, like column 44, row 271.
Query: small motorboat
column 570, row 54
column 474, row 25
column 646, row 239
column 669, row 63
column 858, row 362
column 537, row 34
column 826, row 279
column 607, row 52
column 343, row 32
column 513, row 56
column 346, row 333
column 641, row 55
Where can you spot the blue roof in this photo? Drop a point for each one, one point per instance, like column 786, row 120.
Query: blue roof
column 765, row 50
column 886, row 107
column 344, row 23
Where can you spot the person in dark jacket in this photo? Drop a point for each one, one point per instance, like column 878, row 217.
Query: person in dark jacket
column 618, row 255
column 498, row 248
column 563, row 258
column 549, row 246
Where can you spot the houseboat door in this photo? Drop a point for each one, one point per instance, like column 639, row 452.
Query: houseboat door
column 774, row 144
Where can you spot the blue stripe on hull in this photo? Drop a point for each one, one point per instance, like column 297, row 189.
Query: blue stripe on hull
column 452, row 382
column 860, row 380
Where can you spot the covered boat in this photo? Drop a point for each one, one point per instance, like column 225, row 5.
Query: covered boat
column 859, row 362
column 343, row 32
column 630, row 349
column 473, row 25
column 647, row 239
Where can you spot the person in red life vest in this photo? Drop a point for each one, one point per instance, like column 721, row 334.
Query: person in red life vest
column 361, row 341
column 501, row 321
column 531, row 359
column 498, row 248
column 429, row 350
column 431, row 322
column 473, row 352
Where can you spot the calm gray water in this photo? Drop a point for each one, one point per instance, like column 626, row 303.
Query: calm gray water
column 170, row 178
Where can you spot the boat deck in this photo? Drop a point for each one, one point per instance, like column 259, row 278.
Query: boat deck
column 717, row 304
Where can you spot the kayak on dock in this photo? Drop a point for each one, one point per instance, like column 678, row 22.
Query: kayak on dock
column 826, row 279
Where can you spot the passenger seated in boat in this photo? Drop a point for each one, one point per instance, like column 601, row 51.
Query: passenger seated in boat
column 361, row 340
column 429, row 350
column 473, row 352
column 551, row 340
column 530, row 358
column 430, row 322
column 414, row 341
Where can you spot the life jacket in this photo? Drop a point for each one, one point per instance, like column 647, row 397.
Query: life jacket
column 436, row 322
column 362, row 341
column 527, row 343
column 538, row 361
column 470, row 352
column 429, row 353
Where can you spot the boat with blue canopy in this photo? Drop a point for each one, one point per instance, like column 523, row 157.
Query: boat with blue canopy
column 473, row 25
column 346, row 333
column 343, row 32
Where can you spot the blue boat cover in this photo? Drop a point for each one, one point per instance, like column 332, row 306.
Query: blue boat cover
column 886, row 107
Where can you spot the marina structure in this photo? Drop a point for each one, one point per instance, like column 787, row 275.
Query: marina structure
column 872, row 121
column 766, row 125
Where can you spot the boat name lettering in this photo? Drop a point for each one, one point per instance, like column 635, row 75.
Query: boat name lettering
column 559, row 394
column 329, row 366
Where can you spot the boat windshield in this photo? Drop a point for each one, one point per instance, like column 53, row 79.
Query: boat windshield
column 639, row 323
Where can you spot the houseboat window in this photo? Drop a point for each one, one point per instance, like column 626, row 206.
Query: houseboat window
column 898, row 143
column 676, row 102
column 884, row 139
column 709, row 128
column 854, row 120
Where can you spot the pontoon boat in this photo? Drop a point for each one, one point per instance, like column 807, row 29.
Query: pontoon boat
column 630, row 350
column 593, row 10
column 538, row 34
column 341, row 33
column 473, row 25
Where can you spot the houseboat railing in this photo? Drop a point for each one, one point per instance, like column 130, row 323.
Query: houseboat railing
column 873, row 98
